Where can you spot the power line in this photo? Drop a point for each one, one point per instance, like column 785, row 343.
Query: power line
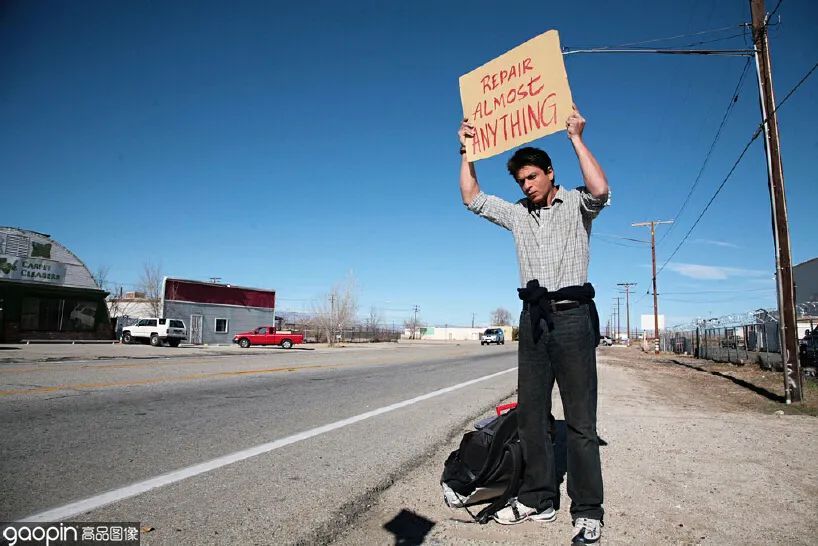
column 617, row 243
column 666, row 51
column 788, row 95
column 723, row 38
column 707, row 206
column 733, row 101
column 653, row 40
column 733, row 168
column 778, row 5
column 621, row 237
column 720, row 291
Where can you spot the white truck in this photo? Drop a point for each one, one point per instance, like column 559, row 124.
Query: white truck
column 156, row 331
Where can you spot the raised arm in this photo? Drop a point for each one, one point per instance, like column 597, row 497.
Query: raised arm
column 595, row 180
column 469, row 188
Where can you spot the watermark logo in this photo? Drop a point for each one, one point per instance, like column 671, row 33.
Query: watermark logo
column 69, row 533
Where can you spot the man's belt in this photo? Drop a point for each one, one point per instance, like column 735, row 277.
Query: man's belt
column 557, row 306
column 542, row 304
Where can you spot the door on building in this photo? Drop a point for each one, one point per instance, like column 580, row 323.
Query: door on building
column 196, row 329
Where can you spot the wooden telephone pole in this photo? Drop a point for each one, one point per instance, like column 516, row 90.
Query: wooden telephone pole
column 793, row 382
column 618, row 329
column 627, row 286
column 652, row 225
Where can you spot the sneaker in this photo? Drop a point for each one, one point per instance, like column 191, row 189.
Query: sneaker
column 517, row 512
column 451, row 498
column 586, row 531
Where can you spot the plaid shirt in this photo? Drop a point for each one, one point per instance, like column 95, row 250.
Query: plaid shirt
column 552, row 241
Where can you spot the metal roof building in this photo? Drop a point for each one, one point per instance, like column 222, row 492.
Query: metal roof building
column 46, row 291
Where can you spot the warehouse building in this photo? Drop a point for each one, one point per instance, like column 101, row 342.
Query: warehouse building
column 214, row 312
column 805, row 276
column 46, row 291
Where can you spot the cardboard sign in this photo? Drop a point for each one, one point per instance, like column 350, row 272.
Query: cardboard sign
column 518, row 97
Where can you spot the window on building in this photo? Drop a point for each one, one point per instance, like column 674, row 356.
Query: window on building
column 41, row 314
column 221, row 325
column 79, row 316
column 57, row 315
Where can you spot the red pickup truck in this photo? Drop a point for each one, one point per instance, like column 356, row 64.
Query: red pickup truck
column 267, row 335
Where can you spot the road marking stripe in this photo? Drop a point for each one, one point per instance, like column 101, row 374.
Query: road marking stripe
column 98, row 501
column 170, row 379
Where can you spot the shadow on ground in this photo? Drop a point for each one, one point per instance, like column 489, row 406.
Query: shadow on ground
column 740, row 382
column 409, row 528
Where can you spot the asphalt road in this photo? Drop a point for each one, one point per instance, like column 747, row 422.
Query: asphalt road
column 74, row 431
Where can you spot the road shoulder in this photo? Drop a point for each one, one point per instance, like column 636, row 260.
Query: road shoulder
column 680, row 467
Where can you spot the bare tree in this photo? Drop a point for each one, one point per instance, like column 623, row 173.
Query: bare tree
column 150, row 282
column 101, row 277
column 413, row 324
column 337, row 309
column 116, row 306
column 375, row 319
column 501, row 317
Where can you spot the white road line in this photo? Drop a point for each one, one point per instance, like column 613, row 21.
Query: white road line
column 98, row 501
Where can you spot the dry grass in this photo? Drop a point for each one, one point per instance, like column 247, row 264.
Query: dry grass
column 729, row 386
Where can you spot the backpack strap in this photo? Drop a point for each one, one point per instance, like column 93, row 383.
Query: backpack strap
column 515, row 452
column 505, row 432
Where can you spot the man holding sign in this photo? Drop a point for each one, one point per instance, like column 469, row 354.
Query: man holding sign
column 559, row 325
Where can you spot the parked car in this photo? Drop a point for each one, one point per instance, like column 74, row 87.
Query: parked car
column 267, row 335
column 493, row 335
column 156, row 331
column 605, row 340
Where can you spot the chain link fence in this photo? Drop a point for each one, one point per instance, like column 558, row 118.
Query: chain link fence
column 356, row 334
column 744, row 338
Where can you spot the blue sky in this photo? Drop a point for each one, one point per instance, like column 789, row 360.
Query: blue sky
column 288, row 145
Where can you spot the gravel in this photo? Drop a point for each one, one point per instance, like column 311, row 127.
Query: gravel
column 692, row 458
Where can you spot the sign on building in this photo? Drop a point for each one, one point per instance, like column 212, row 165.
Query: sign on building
column 14, row 268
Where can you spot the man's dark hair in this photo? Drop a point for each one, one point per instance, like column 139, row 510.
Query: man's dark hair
column 528, row 157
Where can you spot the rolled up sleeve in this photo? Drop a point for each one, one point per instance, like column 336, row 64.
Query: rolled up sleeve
column 591, row 206
column 493, row 209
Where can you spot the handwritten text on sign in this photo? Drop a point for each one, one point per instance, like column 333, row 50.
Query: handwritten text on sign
column 516, row 98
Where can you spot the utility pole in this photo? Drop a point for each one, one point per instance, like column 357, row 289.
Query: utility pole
column 415, row 320
column 331, row 341
column 793, row 382
column 627, row 286
column 652, row 225
column 618, row 329
column 472, row 320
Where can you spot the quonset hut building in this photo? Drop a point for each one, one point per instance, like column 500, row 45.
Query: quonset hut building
column 46, row 292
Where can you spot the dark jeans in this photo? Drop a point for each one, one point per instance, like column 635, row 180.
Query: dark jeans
column 567, row 354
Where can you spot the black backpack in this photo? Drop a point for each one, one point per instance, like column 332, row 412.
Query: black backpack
column 488, row 466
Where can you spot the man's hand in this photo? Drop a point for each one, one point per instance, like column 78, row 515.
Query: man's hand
column 575, row 124
column 469, row 187
column 466, row 131
column 592, row 173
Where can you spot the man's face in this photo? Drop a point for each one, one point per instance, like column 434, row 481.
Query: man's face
column 535, row 183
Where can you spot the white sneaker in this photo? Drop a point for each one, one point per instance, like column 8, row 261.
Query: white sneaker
column 586, row 531
column 451, row 497
column 517, row 512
